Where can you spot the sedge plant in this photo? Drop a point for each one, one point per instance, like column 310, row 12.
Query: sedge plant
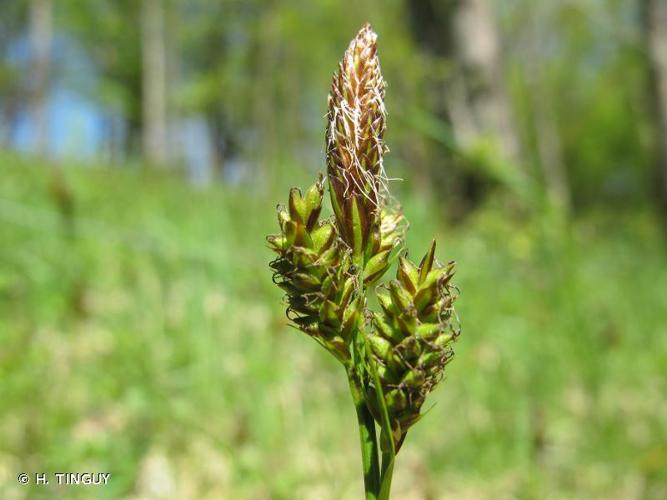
column 329, row 267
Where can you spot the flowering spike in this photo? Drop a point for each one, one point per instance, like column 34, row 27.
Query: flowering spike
column 393, row 356
column 355, row 141
column 313, row 268
column 417, row 323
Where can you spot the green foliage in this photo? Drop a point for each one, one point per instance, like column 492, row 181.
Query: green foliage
column 255, row 71
column 139, row 334
column 146, row 346
column 109, row 33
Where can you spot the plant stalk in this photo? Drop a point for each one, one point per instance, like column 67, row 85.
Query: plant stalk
column 368, row 440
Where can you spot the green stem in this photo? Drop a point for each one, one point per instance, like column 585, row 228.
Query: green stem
column 388, row 459
column 368, row 440
column 386, row 437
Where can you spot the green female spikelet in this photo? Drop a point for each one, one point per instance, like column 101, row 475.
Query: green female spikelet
column 394, row 356
column 313, row 269
column 411, row 338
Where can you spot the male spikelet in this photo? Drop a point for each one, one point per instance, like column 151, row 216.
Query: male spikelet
column 326, row 268
column 355, row 146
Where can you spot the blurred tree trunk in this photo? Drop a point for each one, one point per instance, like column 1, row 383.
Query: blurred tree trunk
column 154, row 85
column 547, row 137
column 224, row 143
column 482, row 88
column 471, row 97
column 267, row 79
column 654, row 15
column 10, row 118
column 41, row 32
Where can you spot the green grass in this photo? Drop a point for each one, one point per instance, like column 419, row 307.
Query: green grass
column 152, row 344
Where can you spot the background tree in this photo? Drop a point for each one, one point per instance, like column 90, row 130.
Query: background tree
column 216, row 60
column 468, row 94
column 41, row 34
column 154, row 82
column 12, row 90
column 535, row 68
column 109, row 33
column 654, row 17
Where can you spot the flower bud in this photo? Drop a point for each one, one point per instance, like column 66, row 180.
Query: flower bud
column 376, row 267
column 427, row 263
column 408, row 274
column 322, row 237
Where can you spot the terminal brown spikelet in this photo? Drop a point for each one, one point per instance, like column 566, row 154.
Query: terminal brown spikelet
column 355, row 143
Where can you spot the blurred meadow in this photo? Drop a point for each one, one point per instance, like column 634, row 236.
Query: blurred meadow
column 144, row 146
